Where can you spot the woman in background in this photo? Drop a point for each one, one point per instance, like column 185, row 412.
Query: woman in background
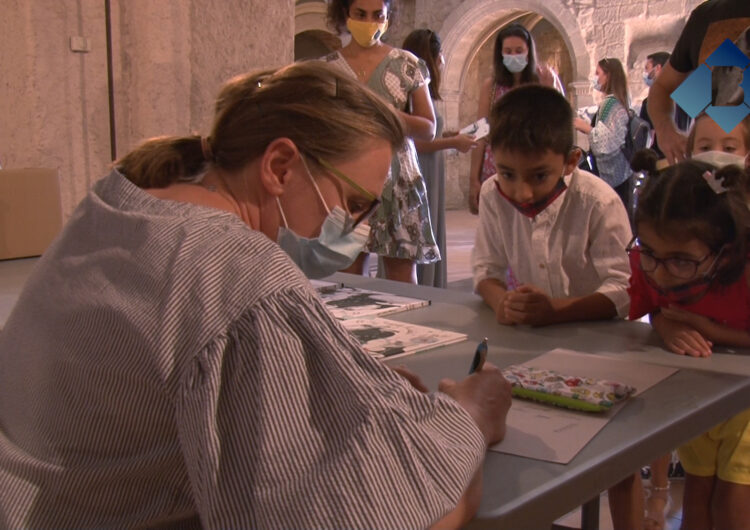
column 401, row 230
column 514, row 64
column 425, row 44
column 610, row 125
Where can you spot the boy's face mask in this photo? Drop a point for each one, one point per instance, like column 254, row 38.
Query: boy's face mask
column 366, row 34
column 532, row 209
column 720, row 159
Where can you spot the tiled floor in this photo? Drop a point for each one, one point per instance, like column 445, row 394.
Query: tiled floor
column 461, row 226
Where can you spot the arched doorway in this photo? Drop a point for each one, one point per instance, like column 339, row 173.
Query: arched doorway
column 468, row 37
column 312, row 37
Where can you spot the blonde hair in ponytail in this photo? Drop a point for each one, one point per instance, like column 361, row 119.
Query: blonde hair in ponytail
column 325, row 113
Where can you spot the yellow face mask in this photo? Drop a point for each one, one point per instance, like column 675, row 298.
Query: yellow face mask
column 367, row 34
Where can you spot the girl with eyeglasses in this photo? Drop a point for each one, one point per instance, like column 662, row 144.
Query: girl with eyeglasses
column 690, row 274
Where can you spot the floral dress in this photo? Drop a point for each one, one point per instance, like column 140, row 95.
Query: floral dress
column 401, row 226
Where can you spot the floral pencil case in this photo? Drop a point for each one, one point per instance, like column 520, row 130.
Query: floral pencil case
column 578, row 393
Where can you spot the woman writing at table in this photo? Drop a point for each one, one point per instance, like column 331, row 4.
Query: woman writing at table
column 167, row 362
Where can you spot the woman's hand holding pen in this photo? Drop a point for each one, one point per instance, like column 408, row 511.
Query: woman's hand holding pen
column 486, row 396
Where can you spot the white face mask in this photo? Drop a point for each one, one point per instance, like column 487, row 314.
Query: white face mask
column 595, row 84
column 720, row 159
column 333, row 250
column 515, row 62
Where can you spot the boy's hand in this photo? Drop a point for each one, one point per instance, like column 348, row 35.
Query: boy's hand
column 528, row 305
column 500, row 311
column 679, row 336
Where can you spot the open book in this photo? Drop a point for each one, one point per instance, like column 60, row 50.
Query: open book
column 387, row 339
column 352, row 302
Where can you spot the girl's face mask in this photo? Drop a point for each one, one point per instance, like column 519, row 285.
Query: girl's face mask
column 720, row 159
column 366, row 34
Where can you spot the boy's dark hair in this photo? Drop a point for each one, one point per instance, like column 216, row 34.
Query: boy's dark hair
column 532, row 119
column 678, row 203
column 658, row 58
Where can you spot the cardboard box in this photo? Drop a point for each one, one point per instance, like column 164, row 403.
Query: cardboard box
column 30, row 211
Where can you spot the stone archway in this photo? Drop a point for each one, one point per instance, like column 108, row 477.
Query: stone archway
column 466, row 30
column 310, row 16
column 476, row 20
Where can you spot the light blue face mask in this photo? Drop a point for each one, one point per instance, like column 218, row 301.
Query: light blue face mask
column 595, row 84
column 648, row 79
column 516, row 62
column 334, row 249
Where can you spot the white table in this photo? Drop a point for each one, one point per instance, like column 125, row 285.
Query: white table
column 523, row 493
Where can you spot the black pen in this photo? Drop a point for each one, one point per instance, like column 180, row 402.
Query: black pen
column 479, row 357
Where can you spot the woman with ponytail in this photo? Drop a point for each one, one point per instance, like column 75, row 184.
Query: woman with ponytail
column 169, row 364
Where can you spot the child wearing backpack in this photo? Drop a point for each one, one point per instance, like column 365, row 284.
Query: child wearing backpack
column 607, row 137
column 690, row 274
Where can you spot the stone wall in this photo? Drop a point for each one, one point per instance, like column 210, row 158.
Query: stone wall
column 170, row 58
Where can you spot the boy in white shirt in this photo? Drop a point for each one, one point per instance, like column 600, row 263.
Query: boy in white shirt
column 551, row 241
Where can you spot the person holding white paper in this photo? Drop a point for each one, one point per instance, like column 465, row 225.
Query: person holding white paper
column 425, row 44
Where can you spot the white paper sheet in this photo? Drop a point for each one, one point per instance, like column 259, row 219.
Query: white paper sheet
column 554, row 434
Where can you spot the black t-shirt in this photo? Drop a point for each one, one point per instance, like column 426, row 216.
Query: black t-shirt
column 681, row 120
column 708, row 26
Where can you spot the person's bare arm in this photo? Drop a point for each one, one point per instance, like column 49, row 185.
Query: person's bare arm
column 661, row 111
column 493, row 292
column 486, row 396
column 462, row 142
column 420, row 124
column 530, row 305
column 712, row 331
column 477, row 156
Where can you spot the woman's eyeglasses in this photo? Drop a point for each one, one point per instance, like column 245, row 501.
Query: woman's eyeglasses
column 681, row 268
column 374, row 201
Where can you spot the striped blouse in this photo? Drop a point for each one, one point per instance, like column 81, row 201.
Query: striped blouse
column 166, row 361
